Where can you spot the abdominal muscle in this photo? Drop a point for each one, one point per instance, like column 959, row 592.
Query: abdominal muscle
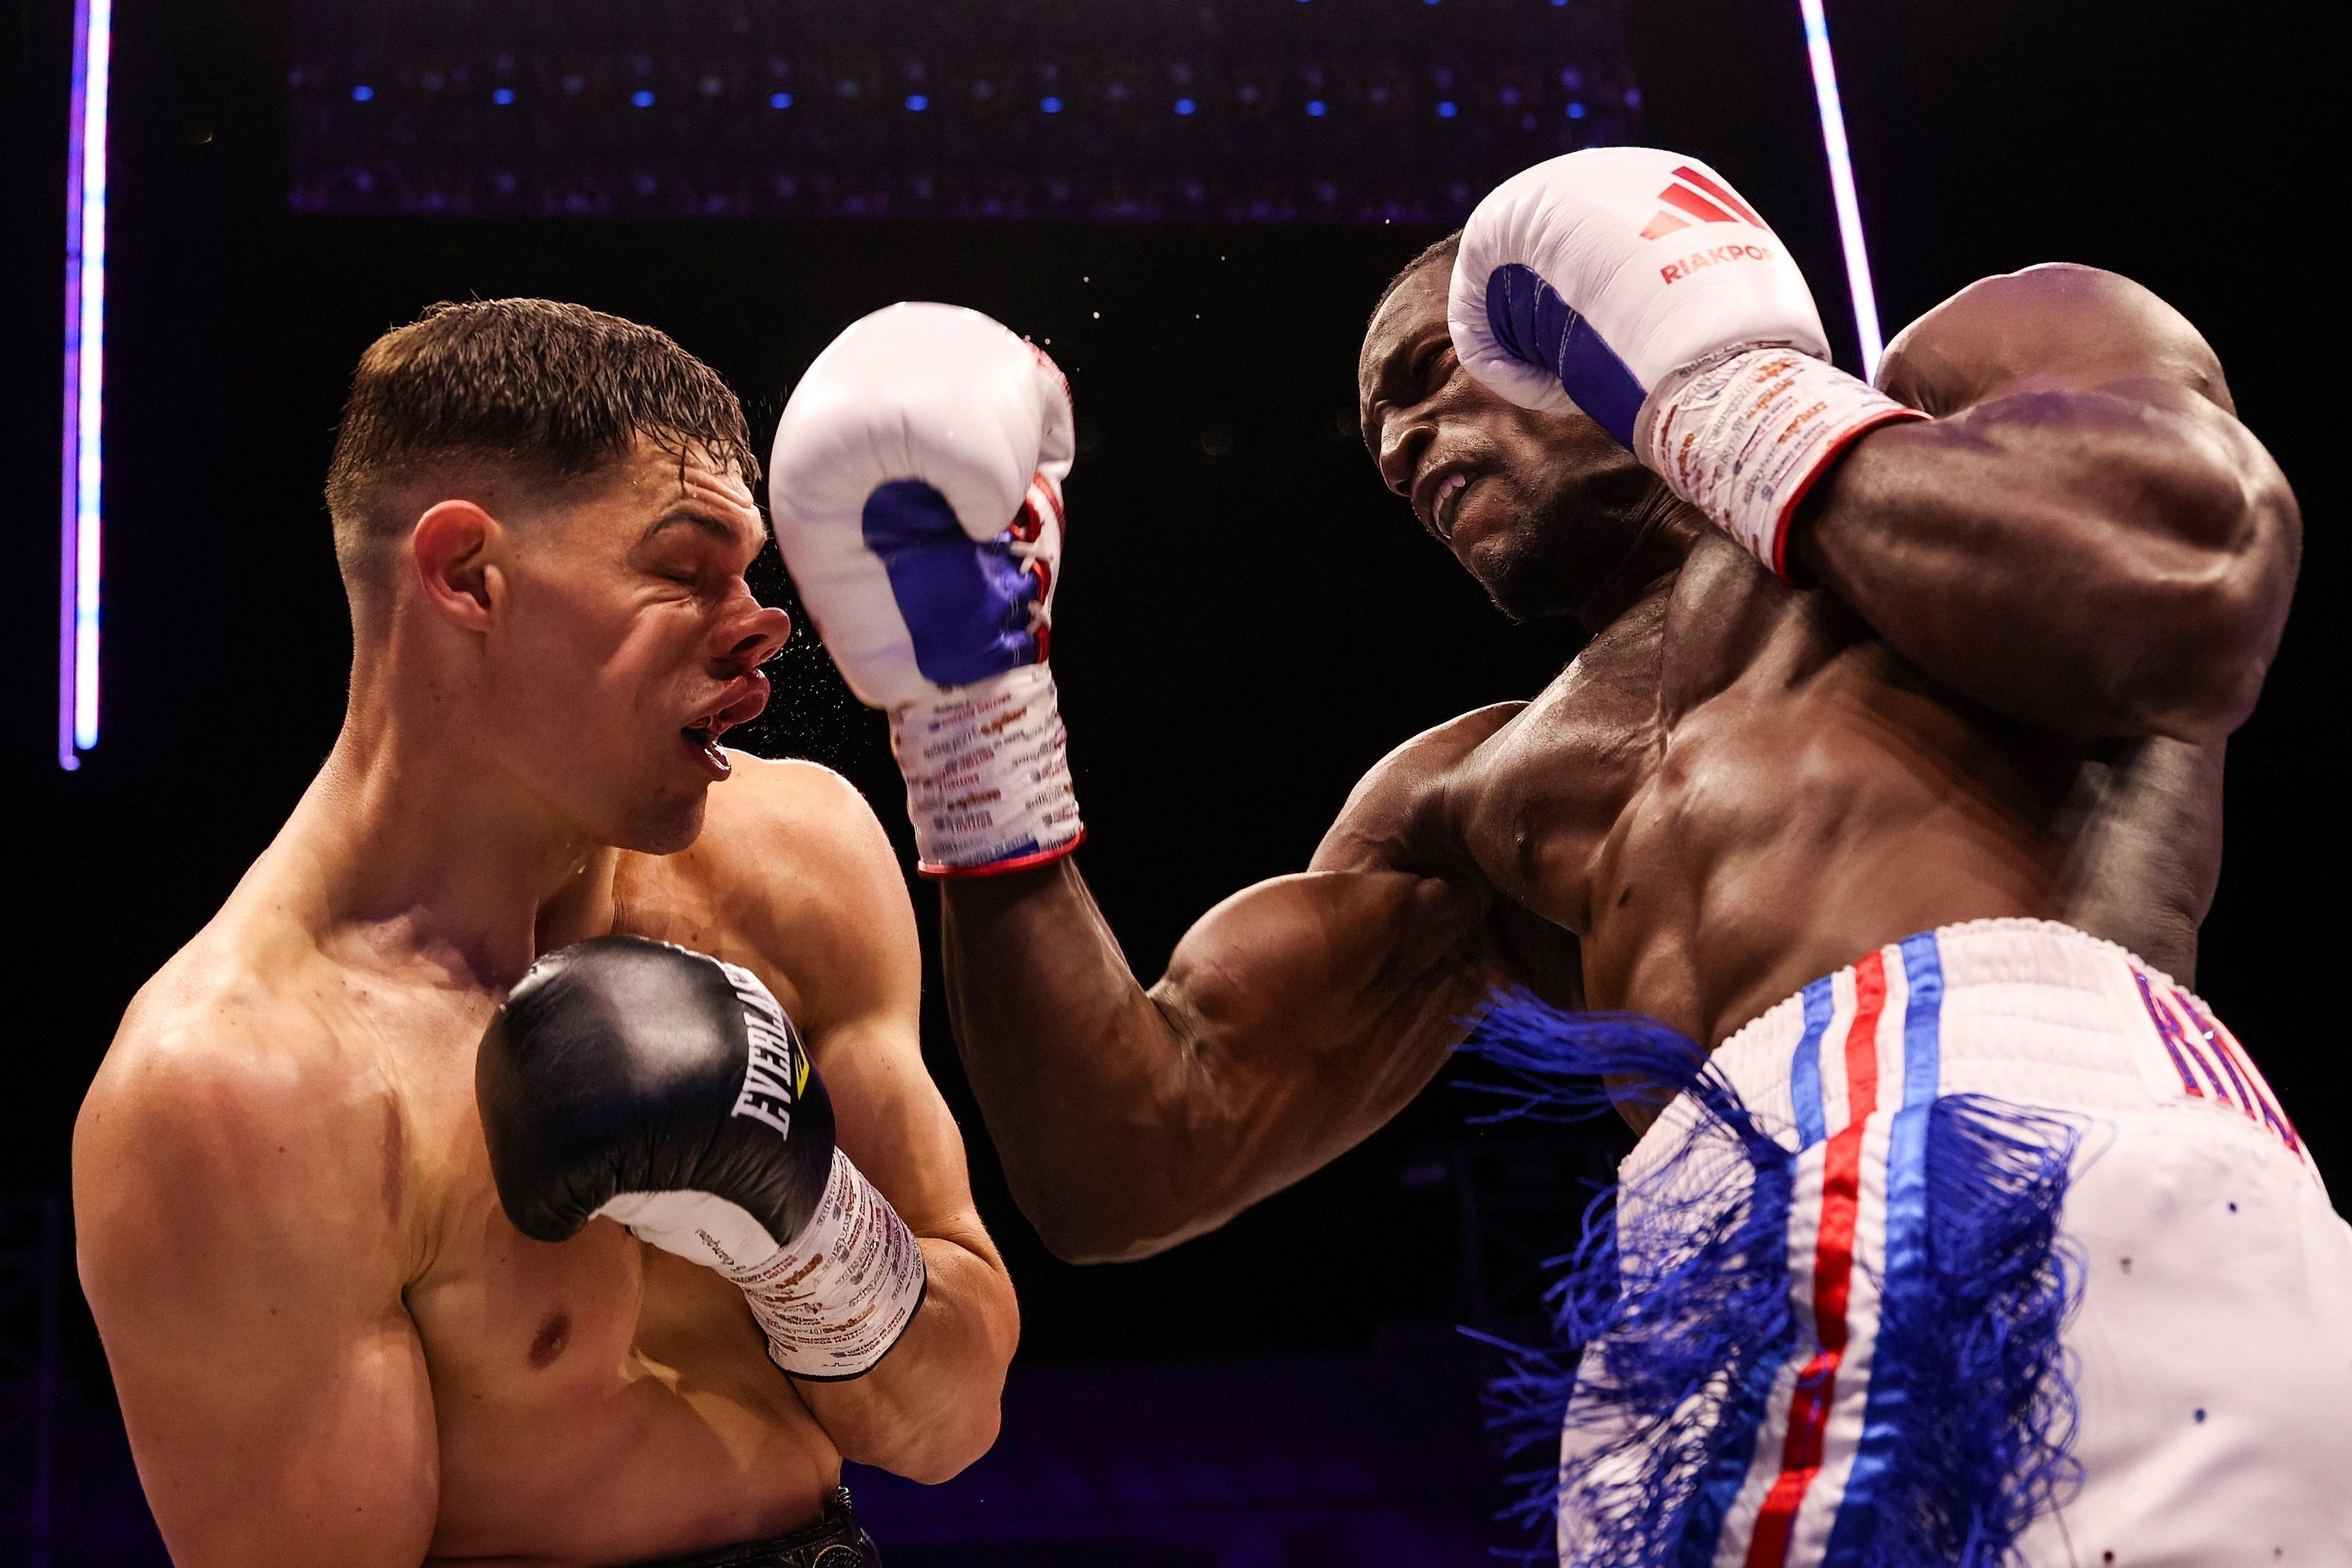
column 600, row 1402
column 1787, row 828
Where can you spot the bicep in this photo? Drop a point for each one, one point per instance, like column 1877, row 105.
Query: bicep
column 1316, row 1006
column 891, row 1120
column 857, row 961
column 2090, row 392
column 284, row 1445
column 2085, row 490
column 273, row 1387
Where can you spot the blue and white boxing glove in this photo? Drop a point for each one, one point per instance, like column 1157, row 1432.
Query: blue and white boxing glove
column 916, row 486
column 1635, row 285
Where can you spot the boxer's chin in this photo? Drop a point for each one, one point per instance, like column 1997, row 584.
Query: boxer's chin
column 666, row 826
column 1524, row 577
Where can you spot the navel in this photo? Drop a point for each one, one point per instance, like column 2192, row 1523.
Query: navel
column 552, row 1336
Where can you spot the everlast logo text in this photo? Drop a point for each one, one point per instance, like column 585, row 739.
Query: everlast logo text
column 776, row 1071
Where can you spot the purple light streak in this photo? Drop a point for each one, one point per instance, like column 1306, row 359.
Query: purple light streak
column 80, row 554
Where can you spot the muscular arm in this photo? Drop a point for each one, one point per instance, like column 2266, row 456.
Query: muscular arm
column 839, row 924
column 1295, row 1019
column 2084, row 537
column 237, row 1247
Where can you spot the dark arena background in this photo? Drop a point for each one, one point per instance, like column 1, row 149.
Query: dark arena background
column 1194, row 203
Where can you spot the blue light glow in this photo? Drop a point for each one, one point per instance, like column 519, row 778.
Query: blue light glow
column 1447, row 110
column 79, row 555
column 1849, row 205
column 504, row 95
column 1050, row 105
column 780, row 100
column 917, row 103
column 642, row 98
column 1576, row 110
column 1318, row 108
column 362, row 93
column 1186, row 106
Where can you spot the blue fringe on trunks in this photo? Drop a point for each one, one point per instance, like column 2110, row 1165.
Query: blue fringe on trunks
column 1681, row 1325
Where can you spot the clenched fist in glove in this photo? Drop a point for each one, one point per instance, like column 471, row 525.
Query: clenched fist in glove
column 916, row 488
column 1635, row 285
column 667, row 1091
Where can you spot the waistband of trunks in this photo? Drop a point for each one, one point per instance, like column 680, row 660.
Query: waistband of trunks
column 834, row 1541
column 2031, row 1012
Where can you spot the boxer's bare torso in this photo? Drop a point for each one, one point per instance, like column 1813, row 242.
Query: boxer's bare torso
column 590, row 1402
column 1737, row 786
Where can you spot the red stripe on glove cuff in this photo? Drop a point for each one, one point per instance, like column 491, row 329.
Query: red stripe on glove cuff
column 1827, row 461
column 1003, row 867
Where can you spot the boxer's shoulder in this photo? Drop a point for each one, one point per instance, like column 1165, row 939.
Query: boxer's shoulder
column 236, row 1013
column 793, row 876
column 2057, row 324
column 1397, row 816
column 230, row 1097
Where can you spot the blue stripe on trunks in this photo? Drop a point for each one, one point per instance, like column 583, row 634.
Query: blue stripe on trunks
column 1745, row 1414
column 1805, row 1068
column 1887, row 1408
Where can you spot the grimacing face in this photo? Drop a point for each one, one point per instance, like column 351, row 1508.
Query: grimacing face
column 1539, row 507
column 625, row 643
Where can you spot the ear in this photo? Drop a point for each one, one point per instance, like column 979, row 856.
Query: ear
column 453, row 545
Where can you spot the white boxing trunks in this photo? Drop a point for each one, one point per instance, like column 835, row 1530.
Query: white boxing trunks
column 1992, row 1247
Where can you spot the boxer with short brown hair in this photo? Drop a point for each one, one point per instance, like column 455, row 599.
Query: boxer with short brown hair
column 333, row 1342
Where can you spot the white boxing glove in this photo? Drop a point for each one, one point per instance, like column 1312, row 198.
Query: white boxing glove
column 915, row 489
column 1634, row 285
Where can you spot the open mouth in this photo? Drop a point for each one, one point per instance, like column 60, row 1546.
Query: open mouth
column 738, row 702
column 1438, row 496
column 702, row 738
column 1448, row 503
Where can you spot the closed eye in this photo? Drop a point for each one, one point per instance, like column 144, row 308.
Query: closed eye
column 1427, row 368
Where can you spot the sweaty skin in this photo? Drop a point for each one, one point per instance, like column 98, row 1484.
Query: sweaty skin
column 2022, row 632
column 330, row 1345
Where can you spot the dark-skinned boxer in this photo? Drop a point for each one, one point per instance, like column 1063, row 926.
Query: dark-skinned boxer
column 1879, row 811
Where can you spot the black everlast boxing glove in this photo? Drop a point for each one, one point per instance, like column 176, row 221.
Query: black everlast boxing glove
column 667, row 1091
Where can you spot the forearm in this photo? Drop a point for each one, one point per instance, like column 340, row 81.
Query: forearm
column 1294, row 1019
column 1087, row 1086
column 2092, row 563
column 930, row 1407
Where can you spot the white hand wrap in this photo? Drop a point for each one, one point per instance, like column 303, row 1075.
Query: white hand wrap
column 834, row 1301
column 1743, row 435
column 988, row 776
column 838, row 1299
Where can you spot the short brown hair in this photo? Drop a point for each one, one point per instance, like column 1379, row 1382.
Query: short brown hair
column 548, row 391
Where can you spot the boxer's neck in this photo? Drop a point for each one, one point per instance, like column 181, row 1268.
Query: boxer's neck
column 426, row 851
column 1660, row 535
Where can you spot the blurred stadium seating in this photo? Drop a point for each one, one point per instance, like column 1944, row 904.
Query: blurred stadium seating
column 1352, row 110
